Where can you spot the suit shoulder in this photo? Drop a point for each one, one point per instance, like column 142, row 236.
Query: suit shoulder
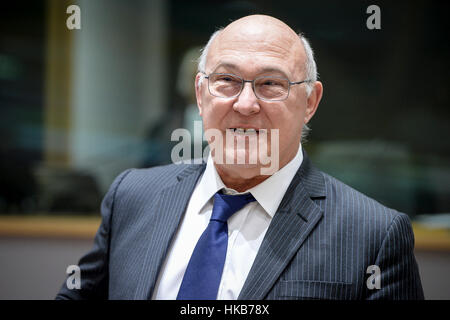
column 353, row 201
column 164, row 175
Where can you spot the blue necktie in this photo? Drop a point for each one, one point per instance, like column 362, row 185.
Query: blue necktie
column 203, row 274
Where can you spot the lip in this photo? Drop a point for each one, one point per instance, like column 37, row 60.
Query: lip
column 243, row 131
column 243, row 126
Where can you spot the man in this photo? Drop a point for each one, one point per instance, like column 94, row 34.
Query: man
column 296, row 233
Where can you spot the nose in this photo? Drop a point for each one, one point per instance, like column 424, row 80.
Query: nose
column 246, row 102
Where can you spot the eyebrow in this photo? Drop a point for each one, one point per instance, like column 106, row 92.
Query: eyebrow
column 261, row 70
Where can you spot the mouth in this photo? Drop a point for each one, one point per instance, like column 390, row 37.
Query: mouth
column 244, row 131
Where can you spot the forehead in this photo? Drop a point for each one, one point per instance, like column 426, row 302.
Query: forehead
column 257, row 49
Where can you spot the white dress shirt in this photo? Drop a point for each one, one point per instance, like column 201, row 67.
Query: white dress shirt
column 246, row 230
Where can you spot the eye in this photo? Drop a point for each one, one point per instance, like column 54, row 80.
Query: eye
column 272, row 82
column 269, row 83
column 226, row 78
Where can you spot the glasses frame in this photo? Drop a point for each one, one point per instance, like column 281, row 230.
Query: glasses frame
column 243, row 81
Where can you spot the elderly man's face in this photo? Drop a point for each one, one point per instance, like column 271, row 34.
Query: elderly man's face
column 252, row 48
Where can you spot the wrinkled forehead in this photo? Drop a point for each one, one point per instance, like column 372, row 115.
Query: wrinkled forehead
column 258, row 40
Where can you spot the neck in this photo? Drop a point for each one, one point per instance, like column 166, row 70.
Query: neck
column 238, row 182
column 243, row 178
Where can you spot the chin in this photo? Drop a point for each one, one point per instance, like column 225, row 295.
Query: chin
column 243, row 171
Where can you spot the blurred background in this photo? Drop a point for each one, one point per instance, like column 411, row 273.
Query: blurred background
column 77, row 107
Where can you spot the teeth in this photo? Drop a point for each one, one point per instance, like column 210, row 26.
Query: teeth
column 245, row 131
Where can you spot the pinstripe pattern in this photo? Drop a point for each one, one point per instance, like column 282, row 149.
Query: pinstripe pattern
column 318, row 245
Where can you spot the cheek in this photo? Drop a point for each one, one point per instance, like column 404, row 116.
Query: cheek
column 282, row 118
column 213, row 112
column 289, row 122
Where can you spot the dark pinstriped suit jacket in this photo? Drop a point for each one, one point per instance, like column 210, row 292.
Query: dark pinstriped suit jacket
column 318, row 245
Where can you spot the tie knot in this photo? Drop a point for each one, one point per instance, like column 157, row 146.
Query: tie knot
column 226, row 205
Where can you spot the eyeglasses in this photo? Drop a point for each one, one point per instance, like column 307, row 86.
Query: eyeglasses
column 268, row 88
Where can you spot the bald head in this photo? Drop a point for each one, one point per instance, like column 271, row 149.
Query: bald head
column 260, row 27
column 267, row 30
column 258, row 34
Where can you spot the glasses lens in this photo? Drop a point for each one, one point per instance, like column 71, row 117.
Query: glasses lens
column 224, row 85
column 272, row 88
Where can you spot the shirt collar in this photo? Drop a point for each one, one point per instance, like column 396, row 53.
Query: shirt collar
column 268, row 193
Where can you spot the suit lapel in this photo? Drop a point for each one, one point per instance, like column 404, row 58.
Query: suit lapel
column 168, row 212
column 294, row 220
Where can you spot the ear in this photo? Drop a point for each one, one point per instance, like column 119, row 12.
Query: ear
column 313, row 101
column 198, row 91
